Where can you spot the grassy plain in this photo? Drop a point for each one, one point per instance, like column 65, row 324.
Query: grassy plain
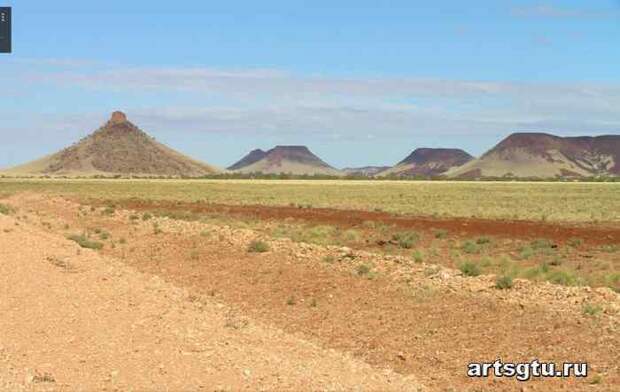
column 554, row 202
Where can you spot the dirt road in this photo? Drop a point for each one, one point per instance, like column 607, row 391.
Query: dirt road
column 75, row 320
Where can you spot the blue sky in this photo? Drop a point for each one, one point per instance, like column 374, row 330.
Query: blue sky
column 359, row 82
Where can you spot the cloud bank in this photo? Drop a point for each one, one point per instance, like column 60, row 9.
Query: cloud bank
column 76, row 96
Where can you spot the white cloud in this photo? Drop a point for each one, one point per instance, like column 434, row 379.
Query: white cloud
column 301, row 109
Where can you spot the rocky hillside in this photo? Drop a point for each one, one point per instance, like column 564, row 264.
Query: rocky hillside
column 368, row 171
column 429, row 162
column 252, row 157
column 286, row 159
column 118, row 147
column 543, row 155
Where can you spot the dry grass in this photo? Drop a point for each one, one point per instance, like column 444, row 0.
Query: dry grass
column 562, row 202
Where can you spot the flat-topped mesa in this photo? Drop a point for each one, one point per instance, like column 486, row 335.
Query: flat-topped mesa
column 118, row 118
column 284, row 159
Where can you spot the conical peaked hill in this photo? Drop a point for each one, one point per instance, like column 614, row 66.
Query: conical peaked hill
column 546, row 156
column 119, row 147
column 297, row 160
column 428, row 162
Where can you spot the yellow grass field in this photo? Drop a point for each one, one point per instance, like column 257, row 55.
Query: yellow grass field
column 543, row 201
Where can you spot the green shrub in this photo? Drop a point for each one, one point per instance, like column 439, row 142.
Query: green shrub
column 564, row 278
column 503, row 282
column 574, row 242
column 322, row 234
column 146, row 216
column 441, row 233
column 329, row 259
column 258, row 247
column 362, row 269
column 5, row 210
column 418, row 257
column 470, row 247
column 556, row 261
column 406, row 240
column 526, row 252
column 483, row 240
column 352, row 235
column 610, row 248
column 541, row 243
column 469, row 269
column 591, row 310
column 85, row 242
column 612, row 280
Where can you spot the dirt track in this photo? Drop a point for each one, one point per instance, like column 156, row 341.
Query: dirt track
column 592, row 234
column 254, row 311
column 75, row 320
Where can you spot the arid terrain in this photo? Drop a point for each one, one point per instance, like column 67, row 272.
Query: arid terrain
column 120, row 292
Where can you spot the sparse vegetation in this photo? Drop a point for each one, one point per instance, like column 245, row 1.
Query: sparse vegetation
column 591, row 310
column 565, row 278
column 501, row 199
column 258, row 246
column 483, row 240
column 406, row 240
column 596, row 379
column 441, row 233
column 85, row 242
column 469, row 269
column 470, row 247
column 541, row 243
column 503, row 282
column 417, row 256
column 329, row 259
column 5, row 209
column 362, row 269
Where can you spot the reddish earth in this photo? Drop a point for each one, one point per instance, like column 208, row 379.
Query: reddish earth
column 421, row 322
column 594, row 235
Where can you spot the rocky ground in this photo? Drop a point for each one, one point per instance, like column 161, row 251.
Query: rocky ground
column 170, row 304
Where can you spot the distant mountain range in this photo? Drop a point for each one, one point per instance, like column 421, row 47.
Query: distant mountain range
column 121, row 148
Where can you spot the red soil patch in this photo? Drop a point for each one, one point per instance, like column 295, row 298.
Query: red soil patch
column 516, row 229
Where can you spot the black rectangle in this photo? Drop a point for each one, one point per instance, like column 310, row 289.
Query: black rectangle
column 5, row 30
